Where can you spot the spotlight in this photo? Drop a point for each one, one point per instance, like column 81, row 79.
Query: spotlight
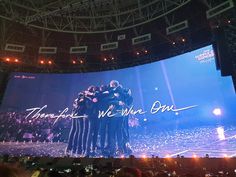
column 81, row 61
column 137, row 53
column 145, row 51
column 112, row 58
column 183, row 39
column 73, row 61
column 229, row 21
column 41, row 62
column 217, row 112
column 49, row 62
column 7, row 59
column 225, row 156
column 16, row 60
column 104, row 59
column 167, row 156
column 173, row 43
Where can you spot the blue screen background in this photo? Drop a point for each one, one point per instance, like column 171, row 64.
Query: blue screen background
column 185, row 80
column 180, row 81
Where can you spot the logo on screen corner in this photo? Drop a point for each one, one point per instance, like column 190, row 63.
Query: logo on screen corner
column 24, row 77
column 206, row 56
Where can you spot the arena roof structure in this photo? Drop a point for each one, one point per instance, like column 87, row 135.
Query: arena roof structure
column 94, row 35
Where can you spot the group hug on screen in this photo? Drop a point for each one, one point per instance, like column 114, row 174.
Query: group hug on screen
column 94, row 135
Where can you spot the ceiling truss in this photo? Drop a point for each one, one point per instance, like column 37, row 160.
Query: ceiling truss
column 87, row 16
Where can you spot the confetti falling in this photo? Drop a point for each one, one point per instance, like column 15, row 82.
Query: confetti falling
column 183, row 142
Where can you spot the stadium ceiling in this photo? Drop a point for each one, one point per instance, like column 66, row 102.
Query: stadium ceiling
column 135, row 32
column 87, row 16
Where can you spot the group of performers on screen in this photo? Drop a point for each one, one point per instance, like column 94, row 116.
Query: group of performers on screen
column 93, row 135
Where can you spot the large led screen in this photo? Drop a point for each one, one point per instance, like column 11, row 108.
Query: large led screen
column 179, row 106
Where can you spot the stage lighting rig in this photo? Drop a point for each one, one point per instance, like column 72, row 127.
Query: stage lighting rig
column 219, row 9
column 78, row 49
column 177, row 27
column 15, row 48
column 141, row 39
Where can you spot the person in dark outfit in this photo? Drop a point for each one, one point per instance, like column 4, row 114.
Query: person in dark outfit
column 93, row 122
column 78, row 109
column 115, row 123
column 128, row 100
column 103, row 105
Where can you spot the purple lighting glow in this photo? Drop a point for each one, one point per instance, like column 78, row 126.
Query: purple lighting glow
column 217, row 112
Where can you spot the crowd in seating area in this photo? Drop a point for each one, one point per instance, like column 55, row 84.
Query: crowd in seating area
column 17, row 127
column 35, row 130
column 127, row 167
